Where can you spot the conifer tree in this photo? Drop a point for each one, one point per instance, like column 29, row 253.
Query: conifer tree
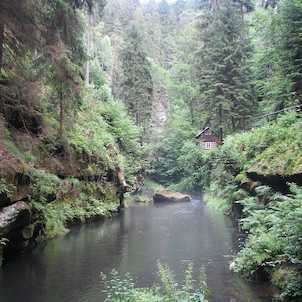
column 64, row 54
column 277, row 64
column 17, row 30
column 137, row 85
column 288, row 48
column 183, row 78
column 222, row 69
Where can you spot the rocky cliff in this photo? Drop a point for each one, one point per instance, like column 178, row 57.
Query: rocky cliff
column 48, row 181
column 33, row 199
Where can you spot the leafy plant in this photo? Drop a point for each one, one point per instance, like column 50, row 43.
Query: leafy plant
column 124, row 289
column 3, row 241
column 274, row 246
column 7, row 188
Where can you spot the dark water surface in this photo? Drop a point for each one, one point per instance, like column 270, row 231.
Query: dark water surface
column 68, row 268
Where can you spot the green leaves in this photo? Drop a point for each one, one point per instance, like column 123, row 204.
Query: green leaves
column 277, row 57
column 121, row 289
column 275, row 242
column 137, row 84
column 273, row 221
column 222, row 69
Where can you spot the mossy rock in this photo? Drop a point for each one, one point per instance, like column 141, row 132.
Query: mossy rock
column 170, row 195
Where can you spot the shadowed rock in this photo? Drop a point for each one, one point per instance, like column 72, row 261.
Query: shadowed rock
column 14, row 216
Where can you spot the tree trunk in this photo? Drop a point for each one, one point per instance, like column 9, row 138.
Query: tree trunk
column 61, row 113
column 220, row 123
column 1, row 43
column 233, row 124
column 88, row 47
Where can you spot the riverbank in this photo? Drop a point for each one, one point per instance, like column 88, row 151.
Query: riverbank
column 257, row 178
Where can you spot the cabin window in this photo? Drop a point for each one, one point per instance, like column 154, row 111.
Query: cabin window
column 207, row 145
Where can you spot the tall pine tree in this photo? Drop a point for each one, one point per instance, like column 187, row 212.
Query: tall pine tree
column 277, row 63
column 222, row 69
column 137, row 85
column 288, row 48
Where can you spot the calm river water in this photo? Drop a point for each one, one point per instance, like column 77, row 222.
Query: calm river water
column 68, row 268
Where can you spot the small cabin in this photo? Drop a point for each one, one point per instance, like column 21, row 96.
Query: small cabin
column 208, row 139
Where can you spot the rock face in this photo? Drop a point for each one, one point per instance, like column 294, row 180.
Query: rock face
column 169, row 195
column 22, row 225
column 13, row 217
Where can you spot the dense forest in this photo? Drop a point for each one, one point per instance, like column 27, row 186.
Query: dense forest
column 96, row 95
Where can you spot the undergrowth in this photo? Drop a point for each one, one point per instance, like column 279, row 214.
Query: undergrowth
column 274, row 245
column 6, row 188
column 56, row 202
column 119, row 289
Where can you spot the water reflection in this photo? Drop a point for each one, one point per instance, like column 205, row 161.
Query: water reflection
column 68, row 268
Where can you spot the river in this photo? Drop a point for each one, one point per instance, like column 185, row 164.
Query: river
column 68, row 268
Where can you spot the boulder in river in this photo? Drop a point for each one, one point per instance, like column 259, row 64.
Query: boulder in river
column 170, row 195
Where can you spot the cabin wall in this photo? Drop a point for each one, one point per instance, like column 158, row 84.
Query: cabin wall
column 207, row 145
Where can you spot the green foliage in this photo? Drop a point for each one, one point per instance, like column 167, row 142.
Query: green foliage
column 137, row 84
column 104, row 131
column 12, row 147
column 181, row 84
column 91, row 135
column 273, row 221
column 121, row 126
column 277, row 59
column 123, row 288
column 149, row 184
column 42, row 184
column 57, row 215
column 274, row 246
column 120, row 289
column 7, row 188
column 190, row 161
column 166, row 167
column 220, row 204
column 222, row 69
column 3, row 241
column 270, row 149
column 57, row 202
